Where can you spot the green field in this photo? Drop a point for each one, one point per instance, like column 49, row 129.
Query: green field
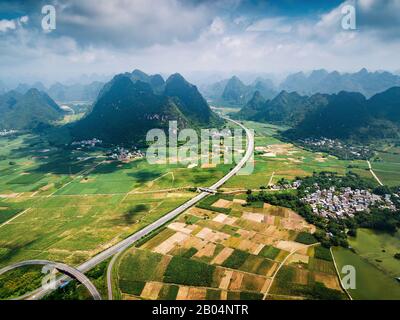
column 78, row 203
column 378, row 248
column 387, row 166
column 75, row 204
column 295, row 162
column 371, row 283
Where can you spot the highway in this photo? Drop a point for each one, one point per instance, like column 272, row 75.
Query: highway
column 63, row 268
column 124, row 244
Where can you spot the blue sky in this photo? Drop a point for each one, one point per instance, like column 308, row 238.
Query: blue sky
column 195, row 36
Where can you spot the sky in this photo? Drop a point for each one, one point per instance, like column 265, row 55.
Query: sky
column 194, row 37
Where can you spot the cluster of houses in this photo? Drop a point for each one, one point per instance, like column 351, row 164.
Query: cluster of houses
column 285, row 185
column 122, row 154
column 345, row 202
column 4, row 133
column 87, row 143
column 329, row 144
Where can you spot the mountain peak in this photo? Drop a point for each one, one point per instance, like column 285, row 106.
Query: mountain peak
column 33, row 91
column 363, row 71
column 139, row 73
column 176, row 77
column 235, row 79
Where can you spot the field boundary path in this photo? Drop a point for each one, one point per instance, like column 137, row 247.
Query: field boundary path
column 15, row 217
column 338, row 274
column 282, row 264
column 373, row 173
column 124, row 244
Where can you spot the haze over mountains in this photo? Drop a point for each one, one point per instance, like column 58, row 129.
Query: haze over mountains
column 28, row 111
column 346, row 115
column 66, row 93
column 133, row 103
column 233, row 92
column 321, row 81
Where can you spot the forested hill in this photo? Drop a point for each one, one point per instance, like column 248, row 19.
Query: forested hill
column 346, row 115
column 133, row 103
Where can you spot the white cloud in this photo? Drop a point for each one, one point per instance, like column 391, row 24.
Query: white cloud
column 278, row 24
column 24, row 19
column 6, row 25
column 173, row 37
column 127, row 24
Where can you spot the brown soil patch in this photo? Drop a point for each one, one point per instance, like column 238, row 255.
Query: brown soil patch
column 294, row 160
column 170, row 243
column 182, row 293
column 10, row 195
column 197, row 293
column 277, row 149
column 194, row 242
column 289, row 245
column 236, row 280
column 151, row 290
column 239, row 201
column 200, row 212
column 266, row 285
column 208, row 165
column 211, row 235
column 181, row 227
column 220, row 218
column 224, row 295
column 301, row 276
column 226, row 279
column 252, row 283
column 256, row 249
column 247, row 245
column 207, row 251
column 222, row 256
column 272, row 270
column 222, row 203
column 256, row 217
column 328, row 280
column 87, row 180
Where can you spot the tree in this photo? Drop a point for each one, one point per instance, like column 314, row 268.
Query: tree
column 352, row 232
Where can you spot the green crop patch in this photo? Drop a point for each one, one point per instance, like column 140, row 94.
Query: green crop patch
column 269, row 252
column 189, row 253
column 8, row 213
column 208, row 202
column 189, row 272
column 306, row 238
column 321, row 266
column 131, row 287
column 139, row 265
column 30, row 178
column 246, row 295
column 168, row 292
column 236, row 259
column 322, row 253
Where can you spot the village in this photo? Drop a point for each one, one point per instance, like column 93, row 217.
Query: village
column 4, row 133
column 122, row 154
column 338, row 148
column 345, row 202
column 118, row 153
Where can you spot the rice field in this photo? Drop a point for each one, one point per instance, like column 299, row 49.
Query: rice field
column 224, row 256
